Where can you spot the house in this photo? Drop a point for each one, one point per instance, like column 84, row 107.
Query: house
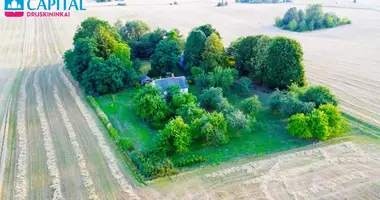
column 165, row 83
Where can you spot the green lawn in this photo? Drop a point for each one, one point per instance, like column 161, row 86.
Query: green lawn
column 124, row 119
column 271, row 137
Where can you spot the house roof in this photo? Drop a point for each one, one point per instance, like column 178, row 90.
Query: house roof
column 165, row 83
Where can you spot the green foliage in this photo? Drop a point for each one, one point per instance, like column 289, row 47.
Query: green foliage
column 210, row 128
column 245, row 52
column 213, row 53
column 290, row 15
column 123, row 52
column 153, row 164
column 145, row 47
column 180, row 100
column 319, row 95
column 222, row 77
column 190, row 112
column 313, row 19
column 261, row 65
column 104, row 76
column 134, row 30
column 284, row 58
column 149, row 105
column 319, row 125
column 237, row 120
column 293, row 25
column 287, row 104
column 251, row 105
column 195, row 44
column 89, row 26
column 299, row 126
column 208, row 30
column 175, row 136
column 126, row 144
column 242, row 86
column 335, row 119
column 189, row 160
column 211, row 98
column 165, row 57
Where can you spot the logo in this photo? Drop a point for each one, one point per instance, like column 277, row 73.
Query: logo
column 14, row 8
column 41, row 8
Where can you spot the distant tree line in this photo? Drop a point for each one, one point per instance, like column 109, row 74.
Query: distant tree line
column 312, row 19
column 263, row 1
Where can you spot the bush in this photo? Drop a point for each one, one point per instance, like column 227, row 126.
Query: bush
column 242, row 86
column 291, row 15
column 211, row 98
column 293, row 25
column 189, row 160
column 126, row 144
column 210, row 128
column 279, row 22
column 336, row 121
column 319, row 125
column 287, row 104
column 219, row 4
column 284, row 58
column 319, row 95
column 251, row 106
column 153, row 164
column 299, row 126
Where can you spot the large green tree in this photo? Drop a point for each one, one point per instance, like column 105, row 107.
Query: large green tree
column 194, row 48
column 211, row 128
column 222, row 77
column 88, row 27
column 85, row 50
column 133, row 30
column 190, row 112
column 165, row 57
column 208, row 30
column 284, row 58
column 213, row 53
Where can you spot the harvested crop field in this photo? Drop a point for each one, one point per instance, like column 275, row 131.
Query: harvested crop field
column 53, row 145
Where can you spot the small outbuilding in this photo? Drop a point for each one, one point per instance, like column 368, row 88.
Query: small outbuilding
column 145, row 79
column 165, row 83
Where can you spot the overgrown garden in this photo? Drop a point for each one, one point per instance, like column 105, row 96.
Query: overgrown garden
column 250, row 98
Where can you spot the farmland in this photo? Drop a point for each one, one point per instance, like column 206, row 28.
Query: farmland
column 52, row 144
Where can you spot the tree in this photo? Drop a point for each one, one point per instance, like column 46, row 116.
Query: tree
column 210, row 98
column 303, row 26
column 293, row 25
column 182, row 99
column 123, row 52
column 84, row 51
column 299, row 126
column 291, row 15
column 105, row 42
column 245, row 53
column 175, row 136
column 319, row 125
column 222, row 77
column 261, row 66
column 145, row 47
column 213, row 53
column 104, row 76
column 194, row 48
column 279, row 22
column 208, row 30
column 165, row 57
column 251, row 105
column 190, row 112
column 211, row 128
column 88, row 27
column 133, row 30
column 319, row 95
column 314, row 13
column 287, row 104
column 284, row 58
column 301, row 15
column 149, row 105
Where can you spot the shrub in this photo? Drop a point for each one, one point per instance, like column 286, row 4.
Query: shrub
column 219, row 4
column 319, row 95
column 303, row 26
column 279, row 22
column 190, row 112
column 242, row 86
column 153, row 164
column 319, row 125
column 126, row 144
column 211, row 128
column 284, row 57
column 335, row 119
column 299, row 126
column 287, row 104
column 189, row 160
column 222, row 77
column 237, row 119
column 290, row 15
column 211, row 98
column 293, row 25
column 251, row 106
